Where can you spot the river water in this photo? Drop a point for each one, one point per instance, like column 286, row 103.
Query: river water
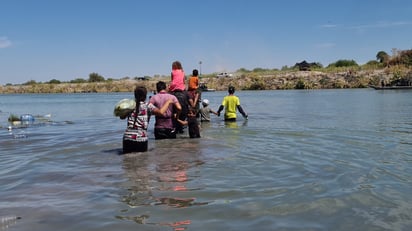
column 305, row 160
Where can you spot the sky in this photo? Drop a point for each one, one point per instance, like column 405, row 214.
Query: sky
column 42, row 40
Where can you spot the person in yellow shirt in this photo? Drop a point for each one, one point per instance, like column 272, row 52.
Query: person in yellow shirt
column 231, row 103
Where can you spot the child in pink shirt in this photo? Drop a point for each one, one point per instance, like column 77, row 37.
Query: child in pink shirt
column 178, row 77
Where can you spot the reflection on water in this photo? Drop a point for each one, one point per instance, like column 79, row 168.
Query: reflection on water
column 7, row 221
column 235, row 124
column 160, row 180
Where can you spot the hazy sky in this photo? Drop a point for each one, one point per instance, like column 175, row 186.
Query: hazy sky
column 43, row 40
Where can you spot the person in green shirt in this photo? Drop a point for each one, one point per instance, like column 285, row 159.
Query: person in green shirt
column 231, row 103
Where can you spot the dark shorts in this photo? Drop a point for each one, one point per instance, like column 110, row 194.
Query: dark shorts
column 164, row 133
column 133, row 146
column 230, row 120
column 194, row 131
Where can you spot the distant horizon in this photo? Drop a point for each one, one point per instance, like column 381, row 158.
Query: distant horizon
column 45, row 40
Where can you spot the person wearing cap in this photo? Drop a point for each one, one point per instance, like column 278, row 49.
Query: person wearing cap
column 205, row 111
column 231, row 103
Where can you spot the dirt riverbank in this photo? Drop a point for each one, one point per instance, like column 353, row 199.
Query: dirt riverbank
column 242, row 81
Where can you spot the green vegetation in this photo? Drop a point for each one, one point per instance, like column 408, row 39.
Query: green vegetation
column 13, row 117
column 94, row 77
column 382, row 57
column 54, row 81
column 344, row 63
column 31, row 82
column 78, row 80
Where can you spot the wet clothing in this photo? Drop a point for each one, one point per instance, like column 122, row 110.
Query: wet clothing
column 183, row 98
column 164, row 126
column 135, row 137
column 193, row 124
column 230, row 102
column 178, row 81
column 205, row 114
column 164, row 133
column 192, row 95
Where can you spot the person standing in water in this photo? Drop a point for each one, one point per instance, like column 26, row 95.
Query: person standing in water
column 205, row 111
column 165, row 125
column 135, row 137
column 192, row 123
column 230, row 103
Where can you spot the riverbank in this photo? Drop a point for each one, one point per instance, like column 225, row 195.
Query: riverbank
column 279, row 80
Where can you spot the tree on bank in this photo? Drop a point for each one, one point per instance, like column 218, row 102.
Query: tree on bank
column 78, row 80
column 94, row 77
column 54, row 81
column 343, row 63
column 402, row 58
column 383, row 57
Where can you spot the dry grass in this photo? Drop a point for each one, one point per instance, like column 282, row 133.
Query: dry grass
column 276, row 80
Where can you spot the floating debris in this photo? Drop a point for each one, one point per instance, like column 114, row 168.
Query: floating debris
column 7, row 221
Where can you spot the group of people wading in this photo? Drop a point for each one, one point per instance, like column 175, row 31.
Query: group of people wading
column 174, row 108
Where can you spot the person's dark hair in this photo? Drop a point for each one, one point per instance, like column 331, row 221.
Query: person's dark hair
column 195, row 72
column 176, row 65
column 231, row 89
column 160, row 86
column 192, row 110
column 140, row 93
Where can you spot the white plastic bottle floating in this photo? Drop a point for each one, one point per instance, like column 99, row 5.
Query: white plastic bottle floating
column 7, row 221
column 27, row 117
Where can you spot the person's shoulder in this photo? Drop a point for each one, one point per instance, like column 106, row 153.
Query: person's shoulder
column 153, row 97
column 229, row 97
column 171, row 96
